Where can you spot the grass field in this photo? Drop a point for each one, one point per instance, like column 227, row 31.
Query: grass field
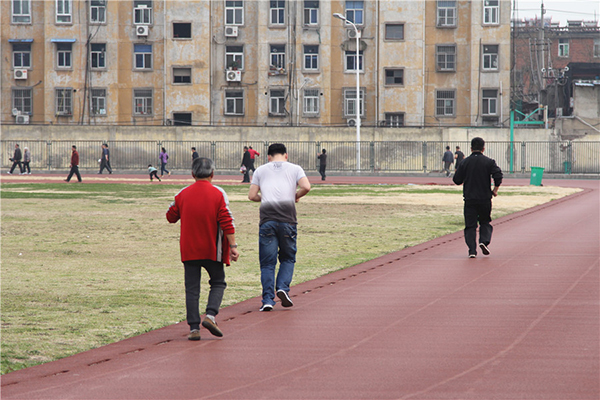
column 87, row 265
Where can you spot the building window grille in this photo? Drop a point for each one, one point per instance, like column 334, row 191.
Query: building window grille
column 394, row 31
column 234, row 102
column 350, row 102
column 394, row 76
column 278, row 56
column 64, row 100
column 445, row 103
column 394, row 119
column 446, row 13
column 22, row 100
column 234, row 12
column 142, row 99
column 21, row 11
column 446, row 58
column 98, row 103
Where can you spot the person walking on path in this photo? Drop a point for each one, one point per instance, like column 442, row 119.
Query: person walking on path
column 475, row 173
column 322, row 163
column 448, row 160
column 153, row 173
column 105, row 159
column 253, row 155
column 194, row 154
column 275, row 185
column 247, row 163
column 74, row 165
column 163, row 157
column 207, row 240
column 16, row 159
column 26, row 161
column 458, row 156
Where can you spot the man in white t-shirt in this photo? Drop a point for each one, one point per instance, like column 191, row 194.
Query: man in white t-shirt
column 275, row 185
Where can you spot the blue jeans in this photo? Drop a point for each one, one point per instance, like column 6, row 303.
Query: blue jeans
column 163, row 168
column 276, row 238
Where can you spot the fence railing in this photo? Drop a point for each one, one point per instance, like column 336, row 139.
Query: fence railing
column 564, row 157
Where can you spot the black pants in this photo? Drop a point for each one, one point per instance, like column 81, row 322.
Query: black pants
column 322, row 171
column 74, row 170
column 154, row 174
column 217, row 283
column 15, row 163
column 247, row 174
column 447, row 165
column 26, row 167
column 474, row 213
column 105, row 164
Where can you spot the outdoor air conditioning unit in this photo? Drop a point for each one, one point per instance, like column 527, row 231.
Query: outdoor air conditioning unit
column 142, row 30
column 20, row 74
column 352, row 33
column 351, row 122
column 233, row 76
column 22, row 119
column 231, row 31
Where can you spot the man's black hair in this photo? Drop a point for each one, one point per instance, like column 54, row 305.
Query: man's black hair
column 193, row 148
column 447, row 147
column 477, row 144
column 277, row 148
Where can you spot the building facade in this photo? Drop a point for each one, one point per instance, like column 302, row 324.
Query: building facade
column 256, row 63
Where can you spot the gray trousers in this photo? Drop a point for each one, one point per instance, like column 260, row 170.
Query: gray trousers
column 217, row 283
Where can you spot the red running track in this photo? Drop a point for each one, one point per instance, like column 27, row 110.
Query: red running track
column 422, row 323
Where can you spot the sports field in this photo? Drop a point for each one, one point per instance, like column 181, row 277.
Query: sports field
column 86, row 265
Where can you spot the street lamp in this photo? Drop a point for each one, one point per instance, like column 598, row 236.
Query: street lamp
column 357, row 107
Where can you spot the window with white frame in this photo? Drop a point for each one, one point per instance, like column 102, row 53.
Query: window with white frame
column 22, row 100
column 142, row 100
column 394, row 76
column 142, row 56
column 490, row 57
column 98, row 11
column 350, row 102
column 21, row 11
column 142, row 12
column 355, row 11
column 182, row 75
column 311, row 12
column 64, row 12
column 234, row 57
column 234, row 102
column 446, row 13
column 597, row 47
column 394, row 31
column 64, row 101
column 489, row 104
column 351, row 61
column 98, row 101
column 445, row 103
column 563, row 47
column 21, row 55
column 277, row 8
column 64, row 55
column 277, row 102
column 311, row 102
column 234, row 12
column 394, row 119
column 278, row 56
column 446, row 57
column 491, row 12
column 311, row 57
column 98, row 55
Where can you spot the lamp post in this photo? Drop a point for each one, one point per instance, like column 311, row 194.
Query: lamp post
column 357, row 107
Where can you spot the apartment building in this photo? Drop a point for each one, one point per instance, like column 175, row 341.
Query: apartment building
column 258, row 63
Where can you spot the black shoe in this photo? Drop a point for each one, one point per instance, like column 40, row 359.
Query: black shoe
column 472, row 255
column 266, row 307
column 285, row 299
column 484, row 249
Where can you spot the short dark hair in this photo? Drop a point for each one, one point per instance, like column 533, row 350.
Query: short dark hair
column 75, row 147
column 193, row 148
column 447, row 147
column 149, row 165
column 457, row 147
column 324, row 151
column 477, row 144
column 202, row 167
column 277, row 148
column 245, row 147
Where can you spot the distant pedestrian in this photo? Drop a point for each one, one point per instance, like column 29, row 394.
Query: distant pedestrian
column 322, row 163
column 448, row 160
column 475, row 173
column 26, row 161
column 74, row 165
column 246, row 165
column 253, row 155
column 458, row 156
column 105, row 159
column 163, row 157
column 153, row 173
column 194, row 154
column 16, row 159
column 207, row 240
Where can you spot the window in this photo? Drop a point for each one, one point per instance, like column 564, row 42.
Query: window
column 98, row 11
column 394, row 119
column 64, row 101
column 22, row 100
column 98, row 102
column 182, row 30
column 182, row 75
column 394, row 31
column 491, row 12
column 444, row 103
column 311, row 101
column 563, row 47
column 64, row 55
column 446, row 13
column 394, row 77
column 143, row 56
column 21, row 11
column 355, row 12
column 489, row 102
column 21, row 55
column 597, row 47
column 446, row 57
column 142, row 99
column 234, row 102
column 142, row 12
column 234, row 57
column 234, row 12
column 490, row 57
column 63, row 12
column 311, row 57
column 277, row 102
column 278, row 56
column 311, row 12
column 351, row 61
column 98, row 55
column 182, row 119
column 277, row 12
column 350, row 102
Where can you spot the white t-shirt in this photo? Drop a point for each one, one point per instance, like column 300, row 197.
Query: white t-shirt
column 277, row 181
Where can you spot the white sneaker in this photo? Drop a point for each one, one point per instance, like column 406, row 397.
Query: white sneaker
column 484, row 249
column 285, row 298
column 266, row 307
column 472, row 255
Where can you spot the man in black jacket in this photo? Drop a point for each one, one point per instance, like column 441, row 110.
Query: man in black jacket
column 475, row 172
column 16, row 159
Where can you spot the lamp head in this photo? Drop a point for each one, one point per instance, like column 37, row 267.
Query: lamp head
column 339, row 16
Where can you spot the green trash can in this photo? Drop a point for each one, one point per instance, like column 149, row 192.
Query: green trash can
column 567, row 165
column 536, row 176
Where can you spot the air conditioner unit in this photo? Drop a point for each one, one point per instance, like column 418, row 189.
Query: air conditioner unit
column 233, row 76
column 22, row 119
column 142, row 30
column 231, row 31
column 15, row 112
column 20, row 74
column 351, row 122
column 352, row 33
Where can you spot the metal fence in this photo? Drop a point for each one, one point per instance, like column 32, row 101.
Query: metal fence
column 564, row 157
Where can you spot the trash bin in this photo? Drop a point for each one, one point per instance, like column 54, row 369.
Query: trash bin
column 567, row 165
column 536, row 176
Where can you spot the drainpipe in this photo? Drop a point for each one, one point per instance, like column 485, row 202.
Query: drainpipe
column 424, row 100
column 164, row 62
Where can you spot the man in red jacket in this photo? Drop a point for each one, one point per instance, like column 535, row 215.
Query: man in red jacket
column 207, row 240
column 74, row 165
